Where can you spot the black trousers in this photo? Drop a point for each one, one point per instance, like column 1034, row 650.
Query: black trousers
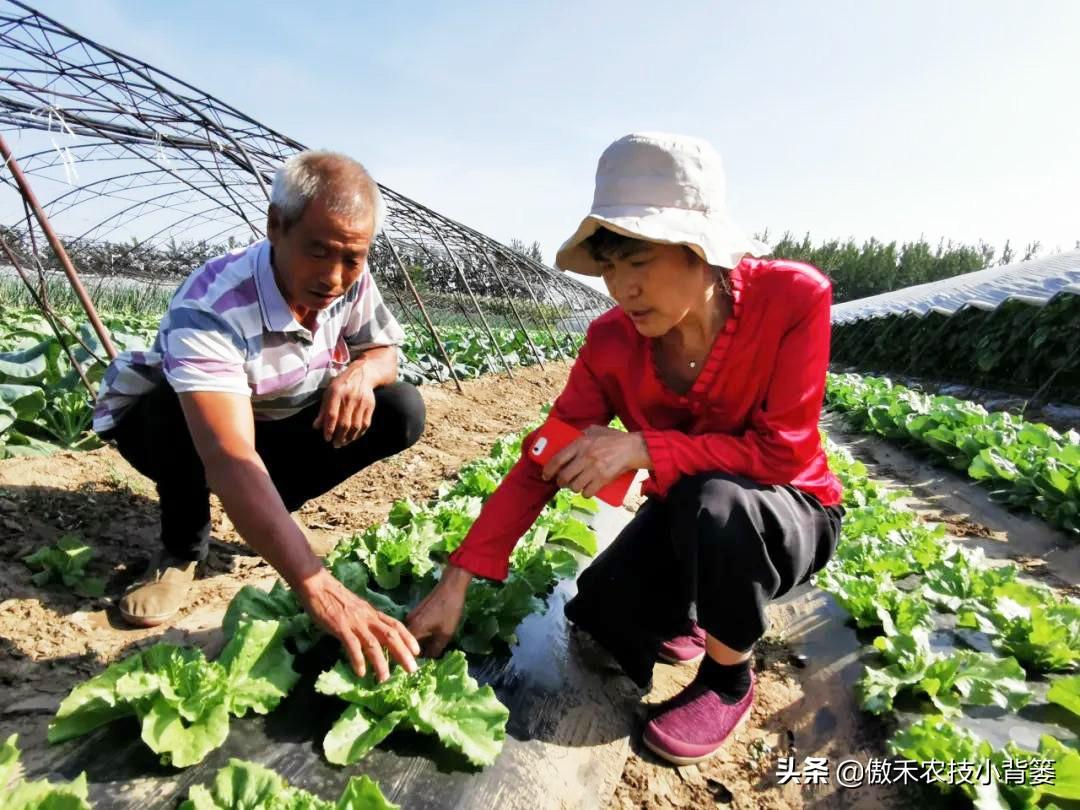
column 722, row 544
column 154, row 438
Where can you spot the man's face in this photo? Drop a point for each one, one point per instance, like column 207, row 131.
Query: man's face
column 319, row 257
column 656, row 285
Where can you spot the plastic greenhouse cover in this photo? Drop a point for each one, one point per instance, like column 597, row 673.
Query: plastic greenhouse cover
column 1033, row 282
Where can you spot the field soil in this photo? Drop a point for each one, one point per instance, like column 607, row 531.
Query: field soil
column 51, row 639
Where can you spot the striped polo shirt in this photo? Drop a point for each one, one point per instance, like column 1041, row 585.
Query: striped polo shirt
column 228, row 328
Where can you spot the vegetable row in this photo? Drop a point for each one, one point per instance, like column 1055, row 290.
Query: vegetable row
column 903, row 580
column 184, row 701
column 1025, row 464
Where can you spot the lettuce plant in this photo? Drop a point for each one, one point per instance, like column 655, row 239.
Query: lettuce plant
column 440, row 698
column 182, row 700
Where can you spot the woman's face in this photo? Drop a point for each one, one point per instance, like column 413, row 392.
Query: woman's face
column 657, row 285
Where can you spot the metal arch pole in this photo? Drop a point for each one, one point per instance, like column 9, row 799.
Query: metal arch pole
column 455, row 296
column 513, row 307
column 480, row 312
column 536, row 301
column 571, row 295
column 427, row 212
column 565, row 300
column 413, row 320
column 423, row 311
column 378, row 262
column 58, row 249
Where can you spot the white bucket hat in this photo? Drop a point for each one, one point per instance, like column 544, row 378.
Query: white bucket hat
column 662, row 188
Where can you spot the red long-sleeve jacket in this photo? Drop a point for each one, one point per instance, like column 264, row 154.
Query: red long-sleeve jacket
column 753, row 411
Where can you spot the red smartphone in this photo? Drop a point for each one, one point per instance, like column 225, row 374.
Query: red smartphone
column 553, row 436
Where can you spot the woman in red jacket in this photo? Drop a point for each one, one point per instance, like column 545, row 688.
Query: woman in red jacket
column 715, row 362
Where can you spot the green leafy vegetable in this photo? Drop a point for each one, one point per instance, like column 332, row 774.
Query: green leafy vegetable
column 1025, row 464
column 1066, row 692
column 997, row 779
column 244, row 785
column 949, row 681
column 37, row 795
column 279, row 605
column 964, row 575
column 440, row 698
column 493, row 612
column 400, row 556
column 879, row 541
column 874, row 602
column 183, row 700
column 66, row 563
column 1028, row 622
column 564, row 530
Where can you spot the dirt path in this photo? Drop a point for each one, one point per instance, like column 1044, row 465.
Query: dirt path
column 803, row 707
column 945, row 496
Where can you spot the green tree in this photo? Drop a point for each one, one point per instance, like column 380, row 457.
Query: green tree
column 875, row 267
column 1006, row 254
column 528, row 251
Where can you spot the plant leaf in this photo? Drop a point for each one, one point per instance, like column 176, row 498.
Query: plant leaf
column 1066, row 692
column 183, row 743
column 259, row 668
column 356, row 732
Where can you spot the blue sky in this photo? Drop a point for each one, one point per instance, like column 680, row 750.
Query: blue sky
column 946, row 119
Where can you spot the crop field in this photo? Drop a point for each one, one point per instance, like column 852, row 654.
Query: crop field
column 936, row 657
column 954, row 641
column 932, row 662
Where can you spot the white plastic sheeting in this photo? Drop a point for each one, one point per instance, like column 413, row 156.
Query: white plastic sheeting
column 1033, row 282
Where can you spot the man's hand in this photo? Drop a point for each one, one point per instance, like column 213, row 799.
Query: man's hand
column 435, row 620
column 362, row 630
column 347, row 406
column 223, row 429
column 596, row 459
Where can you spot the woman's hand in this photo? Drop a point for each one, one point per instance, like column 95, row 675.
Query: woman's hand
column 596, row 459
column 435, row 620
column 362, row 629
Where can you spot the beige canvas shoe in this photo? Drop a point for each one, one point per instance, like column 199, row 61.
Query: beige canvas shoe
column 161, row 591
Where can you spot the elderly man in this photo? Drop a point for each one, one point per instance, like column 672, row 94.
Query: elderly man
column 273, row 378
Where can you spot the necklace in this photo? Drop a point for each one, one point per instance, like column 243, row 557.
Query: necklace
column 693, row 364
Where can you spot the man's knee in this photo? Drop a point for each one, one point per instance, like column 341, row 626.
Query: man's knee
column 154, row 438
column 401, row 412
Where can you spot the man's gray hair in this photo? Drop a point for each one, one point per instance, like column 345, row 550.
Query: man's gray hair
column 342, row 182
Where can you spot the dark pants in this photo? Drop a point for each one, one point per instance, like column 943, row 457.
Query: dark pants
column 721, row 543
column 153, row 436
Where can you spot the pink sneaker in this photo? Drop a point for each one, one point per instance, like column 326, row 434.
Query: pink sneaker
column 684, row 649
column 695, row 723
